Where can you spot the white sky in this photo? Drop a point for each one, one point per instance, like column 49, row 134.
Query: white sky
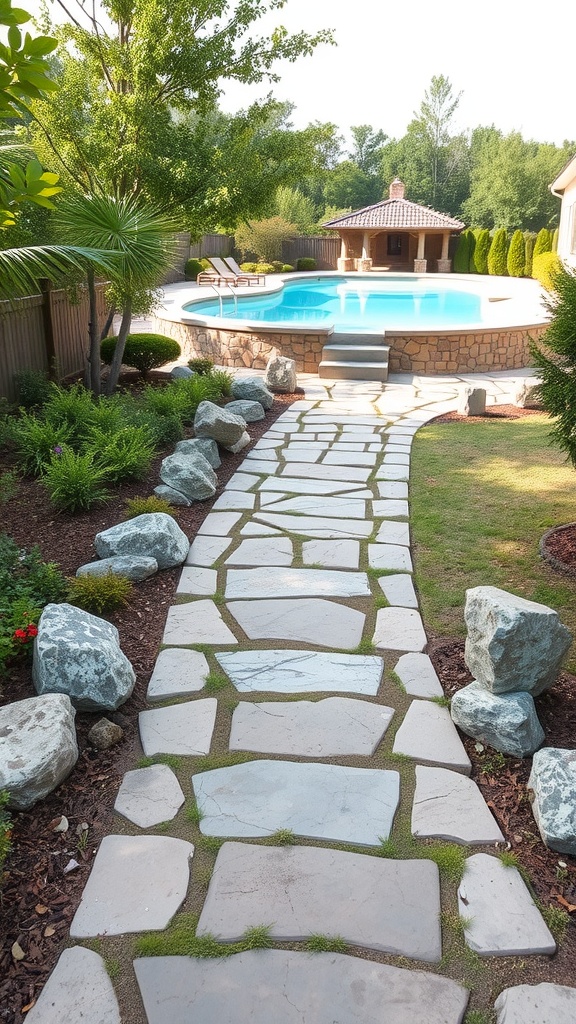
column 512, row 60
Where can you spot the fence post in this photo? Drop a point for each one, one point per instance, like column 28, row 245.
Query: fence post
column 48, row 325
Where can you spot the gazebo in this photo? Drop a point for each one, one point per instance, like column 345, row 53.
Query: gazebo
column 395, row 235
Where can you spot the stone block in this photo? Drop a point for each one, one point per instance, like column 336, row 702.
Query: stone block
column 253, row 389
column 472, row 401
column 505, row 721
column 251, row 412
column 536, row 1004
column 134, row 567
column 205, row 445
column 280, row 375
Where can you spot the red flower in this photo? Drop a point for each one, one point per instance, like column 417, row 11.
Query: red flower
column 32, row 630
column 20, row 634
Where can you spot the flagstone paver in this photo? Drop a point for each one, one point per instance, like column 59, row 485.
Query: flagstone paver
column 206, row 550
column 219, row 524
column 399, row 629
column 310, row 505
column 450, row 806
column 266, row 551
column 196, row 622
column 317, row 801
column 399, row 590
column 323, row 472
column 536, row 1004
column 333, row 554
column 428, row 735
column 392, row 489
column 178, row 728
column 417, row 675
column 316, row 526
column 307, row 620
column 198, row 581
column 148, row 796
column 389, row 556
column 388, row 905
column 335, row 726
column 234, row 500
column 295, row 485
column 391, row 508
column 177, row 673
column 301, row 671
column 79, row 989
column 393, row 532
column 260, row 582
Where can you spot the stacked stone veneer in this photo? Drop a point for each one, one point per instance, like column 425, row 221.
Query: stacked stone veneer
column 452, row 352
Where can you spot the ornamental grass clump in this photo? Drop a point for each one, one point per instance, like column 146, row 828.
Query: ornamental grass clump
column 75, row 483
column 140, row 506
column 99, row 594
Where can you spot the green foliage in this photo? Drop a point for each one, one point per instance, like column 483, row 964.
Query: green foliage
column 35, row 442
column 556, row 360
column 124, row 455
column 543, row 242
column 497, row 255
column 264, row 238
column 481, row 250
column 287, row 268
column 140, row 506
column 99, row 594
column 8, row 486
column 201, row 366
column 529, row 238
column 5, row 830
column 462, row 254
column 516, row 260
column 471, row 264
column 32, row 387
column 260, row 268
column 143, row 351
column 193, row 267
column 75, row 482
column 555, row 235
column 546, row 266
column 295, row 208
column 306, row 263
column 557, row 920
column 326, row 944
column 71, row 406
column 27, row 583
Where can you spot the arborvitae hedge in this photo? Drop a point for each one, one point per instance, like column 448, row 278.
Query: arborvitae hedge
column 462, row 254
column 516, row 255
column 555, row 240
column 471, row 267
column 543, row 242
column 498, row 253
column 528, row 252
column 481, row 251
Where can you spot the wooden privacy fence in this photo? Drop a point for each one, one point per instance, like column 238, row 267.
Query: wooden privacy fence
column 323, row 249
column 40, row 332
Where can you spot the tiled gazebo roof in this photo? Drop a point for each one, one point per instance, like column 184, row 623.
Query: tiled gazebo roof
column 396, row 214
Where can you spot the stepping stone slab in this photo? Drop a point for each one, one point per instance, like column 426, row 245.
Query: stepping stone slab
column 428, row 735
column 288, row 987
column 258, row 530
column 315, row 526
column 219, row 524
column 512, row 644
column 234, row 500
column 501, row 916
column 505, row 721
column 154, row 534
column 416, row 673
column 285, row 582
column 345, row 508
column 134, row 568
column 267, row 551
column 305, row 620
column 552, row 790
column 399, row 590
column 395, row 459
column 262, row 455
column 301, row 455
column 389, row 556
column 392, row 532
column 334, row 727
column 207, row 550
column 317, row 801
column 79, row 989
column 387, row 472
column 354, row 474
column 333, row 554
column 392, row 489
column 399, row 629
column 197, row 622
column 242, row 481
column 263, row 466
column 286, row 671
column 389, row 905
column 449, row 806
column 148, row 796
column 195, row 580
column 296, row 486
column 390, row 508
column 178, row 729
column 38, row 747
column 536, row 1004
column 350, row 459
column 177, row 673
column 137, row 883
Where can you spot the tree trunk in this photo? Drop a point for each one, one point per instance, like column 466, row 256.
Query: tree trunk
column 120, row 345
column 92, row 374
column 108, row 324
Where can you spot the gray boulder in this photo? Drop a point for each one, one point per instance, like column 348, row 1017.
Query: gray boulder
column 78, row 654
column 38, row 747
column 223, row 426
column 135, row 568
column 205, row 445
column 242, row 443
column 249, row 411
column 512, row 644
column 181, row 372
column 552, row 790
column 155, row 534
column 472, row 402
column 280, row 375
column 190, row 473
column 172, row 496
column 253, row 389
column 508, row 722
column 528, row 396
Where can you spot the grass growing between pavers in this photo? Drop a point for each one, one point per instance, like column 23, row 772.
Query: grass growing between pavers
column 482, row 495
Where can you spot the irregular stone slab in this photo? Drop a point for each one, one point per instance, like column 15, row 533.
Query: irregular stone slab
column 395, row 458
column 319, row 801
column 507, row 721
column 251, row 412
column 388, row 472
column 399, row 590
column 38, row 747
column 136, row 569
column 428, row 735
column 234, row 500
column 315, row 526
column 552, row 790
column 219, row 524
column 197, row 622
column 501, row 918
column 417, row 675
column 259, row 465
column 216, row 422
column 287, row 671
column 287, row 582
column 207, row 550
column 252, row 389
column 137, row 883
column 205, row 445
column 79, row 988
column 190, row 474
column 280, row 375
column 389, row 556
column 305, row 620
column 354, row 474
column 148, row 796
column 392, row 489
column 258, row 530
column 389, row 905
column 263, row 454
column 297, row 455
column 334, row 554
column 295, row 485
column 268, row 441
column 536, row 1004
column 309, row 505
column 194, row 580
column 353, row 459
column 512, row 644
column 333, row 727
column 154, row 534
column 177, row 673
column 392, row 532
column 399, row 629
column 178, row 728
column 243, row 481
column 266, row 551
column 78, row 654
column 390, row 508
column 287, row 987
column 449, row 806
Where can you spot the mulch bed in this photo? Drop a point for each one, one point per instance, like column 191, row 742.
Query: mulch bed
column 558, row 547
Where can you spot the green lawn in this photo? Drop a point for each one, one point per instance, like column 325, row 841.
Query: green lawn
column 482, row 495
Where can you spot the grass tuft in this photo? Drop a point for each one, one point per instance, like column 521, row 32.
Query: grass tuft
column 557, row 921
column 451, row 859
column 172, row 760
column 215, row 682
column 325, row 944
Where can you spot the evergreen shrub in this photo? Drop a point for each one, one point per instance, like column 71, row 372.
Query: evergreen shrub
column 462, row 254
column 516, row 260
column 306, row 263
column 481, row 250
column 556, row 360
column 545, row 268
column 99, row 594
column 529, row 237
column 497, row 254
column 143, row 351
column 543, row 242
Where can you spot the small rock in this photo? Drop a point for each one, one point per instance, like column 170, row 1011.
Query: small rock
column 154, row 534
column 62, row 824
column 280, row 375
column 472, row 402
column 134, row 568
column 71, row 866
column 105, row 734
column 507, row 722
column 253, row 389
column 552, row 790
column 219, row 424
column 181, row 372
column 205, row 445
column 17, row 951
column 249, row 411
column 172, row 496
column 244, row 440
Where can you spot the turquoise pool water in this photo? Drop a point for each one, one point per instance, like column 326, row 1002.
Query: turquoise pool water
column 348, row 305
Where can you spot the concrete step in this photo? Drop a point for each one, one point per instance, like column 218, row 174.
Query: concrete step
column 356, row 338
column 356, row 353
column 344, row 370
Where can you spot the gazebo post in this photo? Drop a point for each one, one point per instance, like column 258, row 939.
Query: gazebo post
column 365, row 263
column 420, row 263
column 444, row 263
column 345, row 264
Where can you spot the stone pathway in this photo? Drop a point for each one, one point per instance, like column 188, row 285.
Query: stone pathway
column 314, row 764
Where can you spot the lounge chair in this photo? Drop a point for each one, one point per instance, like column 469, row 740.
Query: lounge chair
column 226, row 273
column 233, row 266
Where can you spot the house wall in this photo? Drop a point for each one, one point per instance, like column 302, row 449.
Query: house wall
column 567, row 229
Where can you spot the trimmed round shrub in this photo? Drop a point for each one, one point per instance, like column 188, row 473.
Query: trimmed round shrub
column 497, row 255
column 481, row 250
column 201, row 366
column 516, row 261
column 277, row 265
column 306, row 263
column 286, row 268
column 545, row 268
column 462, row 254
column 143, row 351
column 543, row 242
column 193, row 267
